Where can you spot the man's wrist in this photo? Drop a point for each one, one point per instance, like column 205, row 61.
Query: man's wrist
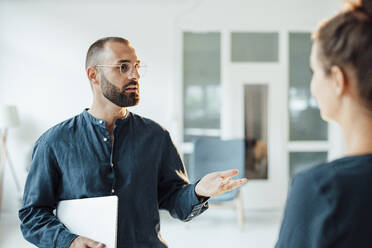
column 201, row 198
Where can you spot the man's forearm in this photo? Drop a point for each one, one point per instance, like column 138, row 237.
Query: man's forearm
column 42, row 228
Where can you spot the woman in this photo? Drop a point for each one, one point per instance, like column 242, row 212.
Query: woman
column 330, row 205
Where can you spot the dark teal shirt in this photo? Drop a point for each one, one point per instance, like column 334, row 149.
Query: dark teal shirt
column 329, row 206
column 76, row 159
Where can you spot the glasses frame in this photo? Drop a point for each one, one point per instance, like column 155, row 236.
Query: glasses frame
column 137, row 67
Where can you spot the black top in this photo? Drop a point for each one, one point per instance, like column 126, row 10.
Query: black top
column 330, row 205
column 76, row 159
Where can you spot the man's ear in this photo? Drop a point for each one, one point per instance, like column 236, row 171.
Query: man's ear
column 339, row 80
column 92, row 74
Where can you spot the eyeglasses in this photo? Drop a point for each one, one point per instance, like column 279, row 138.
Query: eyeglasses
column 126, row 68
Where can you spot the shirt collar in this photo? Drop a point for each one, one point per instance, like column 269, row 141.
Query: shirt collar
column 102, row 122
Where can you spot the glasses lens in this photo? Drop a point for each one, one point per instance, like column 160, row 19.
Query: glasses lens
column 128, row 68
column 125, row 67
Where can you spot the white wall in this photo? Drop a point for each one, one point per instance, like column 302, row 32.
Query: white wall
column 43, row 46
column 42, row 52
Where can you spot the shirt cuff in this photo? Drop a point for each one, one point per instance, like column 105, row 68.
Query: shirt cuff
column 65, row 239
column 198, row 205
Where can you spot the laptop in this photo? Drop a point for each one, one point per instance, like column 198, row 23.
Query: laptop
column 94, row 218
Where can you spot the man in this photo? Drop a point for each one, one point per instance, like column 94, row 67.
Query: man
column 107, row 150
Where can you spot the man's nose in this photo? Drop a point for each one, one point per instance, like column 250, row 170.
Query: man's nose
column 134, row 74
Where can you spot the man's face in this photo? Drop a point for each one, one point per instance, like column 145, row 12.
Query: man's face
column 120, row 85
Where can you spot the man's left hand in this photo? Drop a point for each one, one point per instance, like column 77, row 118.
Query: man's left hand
column 217, row 183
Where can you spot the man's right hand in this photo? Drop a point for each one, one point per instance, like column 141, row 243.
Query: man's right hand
column 82, row 242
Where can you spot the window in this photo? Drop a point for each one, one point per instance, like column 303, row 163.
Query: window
column 299, row 161
column 308, row 133
column 254, row 47
column 304, row 117
column 201, row 85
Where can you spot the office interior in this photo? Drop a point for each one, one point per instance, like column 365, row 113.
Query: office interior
column 215, row 70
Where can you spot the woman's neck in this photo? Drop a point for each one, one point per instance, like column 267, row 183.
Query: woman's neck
column 357, row 128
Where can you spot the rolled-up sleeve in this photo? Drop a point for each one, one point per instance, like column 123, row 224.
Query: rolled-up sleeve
column 38, row 223
column 175, row 193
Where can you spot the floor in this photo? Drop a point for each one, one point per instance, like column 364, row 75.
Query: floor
column 215, row 228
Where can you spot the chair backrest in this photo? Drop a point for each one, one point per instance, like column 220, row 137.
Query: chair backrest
column 213, row 154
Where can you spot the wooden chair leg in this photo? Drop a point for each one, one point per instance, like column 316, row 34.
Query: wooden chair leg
column 240, row 211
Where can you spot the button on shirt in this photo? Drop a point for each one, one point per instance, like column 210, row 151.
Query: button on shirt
column 76, row 159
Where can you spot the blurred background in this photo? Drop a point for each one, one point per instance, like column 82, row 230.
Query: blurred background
column 228, row 75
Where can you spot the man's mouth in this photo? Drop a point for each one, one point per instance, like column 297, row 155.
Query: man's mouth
column 131, row 88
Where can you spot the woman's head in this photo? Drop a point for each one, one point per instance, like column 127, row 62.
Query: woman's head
column 341, row 59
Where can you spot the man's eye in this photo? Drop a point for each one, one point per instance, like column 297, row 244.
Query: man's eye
column 124, row 67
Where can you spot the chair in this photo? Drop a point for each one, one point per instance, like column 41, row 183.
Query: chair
column 213, row 154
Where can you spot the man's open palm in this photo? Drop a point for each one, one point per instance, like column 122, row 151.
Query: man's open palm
column 217, row 183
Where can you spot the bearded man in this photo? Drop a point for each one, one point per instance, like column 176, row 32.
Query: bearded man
column 107, row 150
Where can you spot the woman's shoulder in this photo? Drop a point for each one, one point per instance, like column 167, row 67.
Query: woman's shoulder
column 328, row 169
column 332, row 176
column 321, row 171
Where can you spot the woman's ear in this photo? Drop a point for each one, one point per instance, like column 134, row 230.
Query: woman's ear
column 339, row 79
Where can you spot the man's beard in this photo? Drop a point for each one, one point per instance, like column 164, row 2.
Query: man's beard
column 119, row 96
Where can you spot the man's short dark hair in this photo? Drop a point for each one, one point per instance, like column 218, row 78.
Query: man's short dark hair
column 96, row 48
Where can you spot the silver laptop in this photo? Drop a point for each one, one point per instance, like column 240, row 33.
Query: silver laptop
column 94, row 218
